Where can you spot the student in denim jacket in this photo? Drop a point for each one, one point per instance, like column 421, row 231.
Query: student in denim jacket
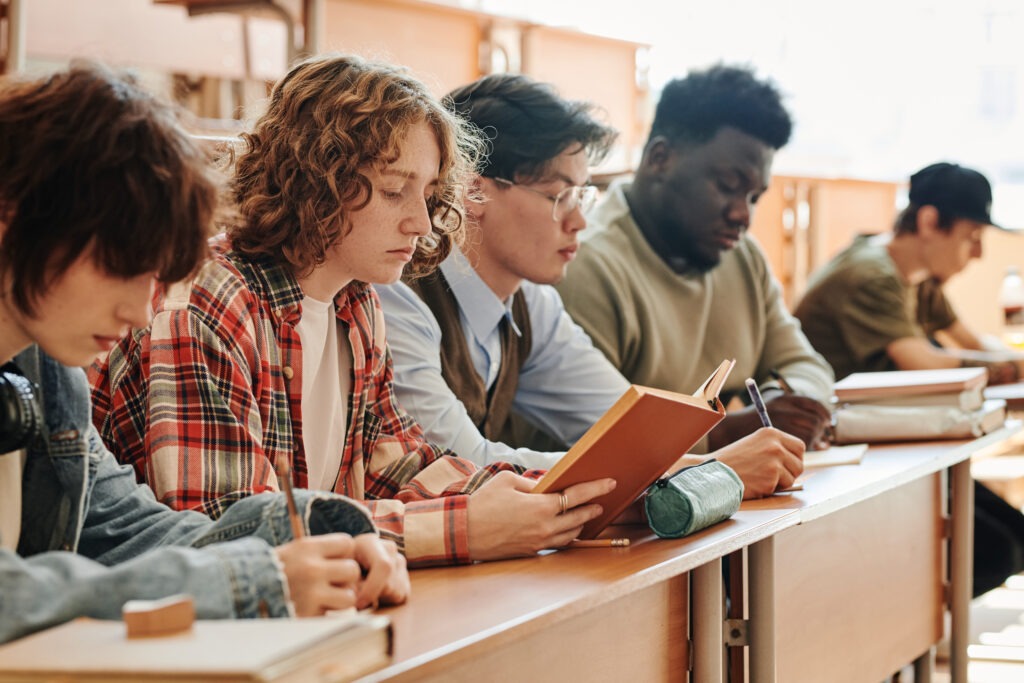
column 102, row 194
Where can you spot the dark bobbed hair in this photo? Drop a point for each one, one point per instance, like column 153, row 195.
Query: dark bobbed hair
column 330, row 119
column 527, row 125
column 90, row 161
column 692, row 109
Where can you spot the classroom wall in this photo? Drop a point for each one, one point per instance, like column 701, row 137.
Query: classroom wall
column 217, row 64
column 802, row 222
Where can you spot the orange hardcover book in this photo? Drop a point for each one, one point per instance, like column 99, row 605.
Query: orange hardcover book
column 865, row 386
column 636, row 441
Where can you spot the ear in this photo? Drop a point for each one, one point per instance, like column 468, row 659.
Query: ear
column 927, row 221
column 658, row 152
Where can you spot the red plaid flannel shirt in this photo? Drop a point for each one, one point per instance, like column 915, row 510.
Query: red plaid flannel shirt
column 207, row 399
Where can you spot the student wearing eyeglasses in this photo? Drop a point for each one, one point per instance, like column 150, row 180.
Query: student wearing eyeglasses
column 275, row 351
column 484, row 342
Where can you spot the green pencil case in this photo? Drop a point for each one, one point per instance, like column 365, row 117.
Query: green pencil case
column 692, row 499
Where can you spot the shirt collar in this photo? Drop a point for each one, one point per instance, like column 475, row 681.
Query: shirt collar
column 479, row 304
column 276, row 282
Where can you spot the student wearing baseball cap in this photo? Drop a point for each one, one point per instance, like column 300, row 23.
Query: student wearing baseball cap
column 878, row 305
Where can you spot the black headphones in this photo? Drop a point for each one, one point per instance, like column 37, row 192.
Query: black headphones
column 20, row 416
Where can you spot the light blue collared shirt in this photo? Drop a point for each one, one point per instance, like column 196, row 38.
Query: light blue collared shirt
column 565, row 384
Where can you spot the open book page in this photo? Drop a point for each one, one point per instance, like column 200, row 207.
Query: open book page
column 712, row 386
column 836, row 455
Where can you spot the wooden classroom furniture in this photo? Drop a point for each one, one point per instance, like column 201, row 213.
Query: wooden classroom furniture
column 579, row 614
column 846, row 579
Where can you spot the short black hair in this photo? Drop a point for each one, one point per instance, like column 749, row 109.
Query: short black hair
column 694, row 108
column 527, row 124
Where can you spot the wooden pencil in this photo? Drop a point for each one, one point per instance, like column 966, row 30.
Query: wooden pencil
column 600, row 543
column 284, row 478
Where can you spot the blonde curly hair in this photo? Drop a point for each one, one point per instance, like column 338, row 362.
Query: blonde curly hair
column 302, row 172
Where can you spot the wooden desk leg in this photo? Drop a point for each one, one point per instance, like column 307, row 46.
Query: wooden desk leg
column 762, row 611
column 961, row 567
column 924, row 666
column 708, row 617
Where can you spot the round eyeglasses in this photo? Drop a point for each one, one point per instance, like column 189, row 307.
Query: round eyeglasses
column 565, row 202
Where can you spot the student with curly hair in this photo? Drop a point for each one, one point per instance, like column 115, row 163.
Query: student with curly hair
column 276, row 350
column 670, row 283
column 483, row 339
column 101, row 194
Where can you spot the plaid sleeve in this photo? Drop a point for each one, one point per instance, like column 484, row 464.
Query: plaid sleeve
column 179, row 403
column 205, row 426
column 420, row 492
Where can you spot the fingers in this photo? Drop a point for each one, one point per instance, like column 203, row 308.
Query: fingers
column 802, row 426
column 332, row 598
column 320, row 574
column 334, row 545
column 379, row 565
column 577, row 494
column 786, row 479
column 397, row 589
column 786, row 458
column 342, row 572
column 565, row 538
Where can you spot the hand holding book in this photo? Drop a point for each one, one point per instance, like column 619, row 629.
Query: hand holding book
column 635, row 442
column 509, row 520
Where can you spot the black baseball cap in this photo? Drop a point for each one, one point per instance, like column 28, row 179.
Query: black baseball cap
column 955, row 191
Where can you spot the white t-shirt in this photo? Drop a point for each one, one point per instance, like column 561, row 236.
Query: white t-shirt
column 11, row 467
column 326, row 382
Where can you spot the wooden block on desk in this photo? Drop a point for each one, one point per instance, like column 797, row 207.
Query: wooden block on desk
column 145, row 618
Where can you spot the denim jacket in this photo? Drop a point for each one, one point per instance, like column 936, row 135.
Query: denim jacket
column 93, row 538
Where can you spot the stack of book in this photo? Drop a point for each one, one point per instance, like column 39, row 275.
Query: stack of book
column 914, row 405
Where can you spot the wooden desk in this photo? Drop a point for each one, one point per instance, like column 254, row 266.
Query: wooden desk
column 622, row 613
column 858, row 589
column 846, row 583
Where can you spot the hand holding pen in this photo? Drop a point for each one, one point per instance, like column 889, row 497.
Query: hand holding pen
column 801, row 416
column 337, row 571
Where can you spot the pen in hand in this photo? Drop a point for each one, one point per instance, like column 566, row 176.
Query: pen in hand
column 755, row 396
column 284, row 478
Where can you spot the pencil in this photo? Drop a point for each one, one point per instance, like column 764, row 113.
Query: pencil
column 284, row 477
column 755, row 396
column 601, row 543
